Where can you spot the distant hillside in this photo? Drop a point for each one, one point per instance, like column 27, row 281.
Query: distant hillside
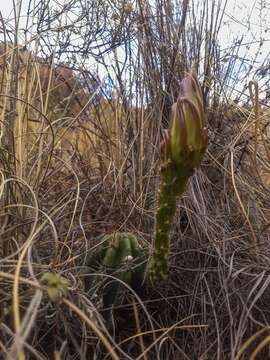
column 52, row 102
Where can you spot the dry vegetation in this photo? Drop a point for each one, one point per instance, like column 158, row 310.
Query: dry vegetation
column 79, row 157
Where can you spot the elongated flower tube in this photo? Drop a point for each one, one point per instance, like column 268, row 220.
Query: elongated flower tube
column 182, row 151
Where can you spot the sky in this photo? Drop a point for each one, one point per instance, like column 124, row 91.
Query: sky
column 241, row 16
column 249, row 19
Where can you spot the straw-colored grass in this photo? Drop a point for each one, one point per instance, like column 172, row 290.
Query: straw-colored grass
column 80, row 160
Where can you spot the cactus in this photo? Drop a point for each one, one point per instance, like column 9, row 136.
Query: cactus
column 181, row 151
column 120, row 255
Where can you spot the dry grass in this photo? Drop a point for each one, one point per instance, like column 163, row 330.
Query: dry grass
column 77, row 162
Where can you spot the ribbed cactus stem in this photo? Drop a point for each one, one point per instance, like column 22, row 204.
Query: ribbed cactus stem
column 172, row 186
column 120, row 255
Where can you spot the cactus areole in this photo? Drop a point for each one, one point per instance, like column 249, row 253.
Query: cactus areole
column 182, row 151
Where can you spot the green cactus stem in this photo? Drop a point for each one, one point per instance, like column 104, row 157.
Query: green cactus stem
column 182, row 151
column 172, row 187
column 120, row 255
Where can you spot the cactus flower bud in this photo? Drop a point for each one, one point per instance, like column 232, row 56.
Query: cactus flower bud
column 187, row 132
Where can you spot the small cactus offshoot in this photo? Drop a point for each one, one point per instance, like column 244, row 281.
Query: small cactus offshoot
column 182, row 151
column 119, row 255
column 57, row 286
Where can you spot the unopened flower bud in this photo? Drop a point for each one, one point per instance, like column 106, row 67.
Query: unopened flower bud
column 187, row 133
